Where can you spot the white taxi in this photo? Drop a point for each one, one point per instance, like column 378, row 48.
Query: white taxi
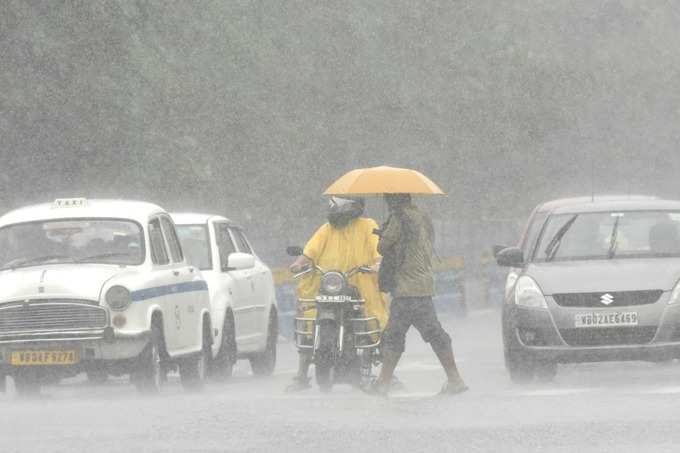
column 242, row 294
column 99, row 286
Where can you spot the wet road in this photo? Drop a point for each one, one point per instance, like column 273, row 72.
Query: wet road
column 622, row 407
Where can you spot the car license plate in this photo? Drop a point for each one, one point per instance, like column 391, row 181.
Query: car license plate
column 26, row 358
column 606, row 319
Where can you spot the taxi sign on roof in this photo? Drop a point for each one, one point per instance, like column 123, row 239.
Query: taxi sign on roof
column 69, row 203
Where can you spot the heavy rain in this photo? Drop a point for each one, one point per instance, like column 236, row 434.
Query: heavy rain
column 163, row 169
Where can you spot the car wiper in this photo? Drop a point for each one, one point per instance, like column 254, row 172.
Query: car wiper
column 554, row 244
column 613, row 243
column 38, row 259
column 101, row 256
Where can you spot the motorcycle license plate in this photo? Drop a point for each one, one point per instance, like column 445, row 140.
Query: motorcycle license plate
column 336, row 299
column 27, row 358
column 608, row 319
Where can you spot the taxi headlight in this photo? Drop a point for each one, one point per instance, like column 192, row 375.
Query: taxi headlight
column 118, row 298
column 675, row 295
column 528, row 294
column 332, row 282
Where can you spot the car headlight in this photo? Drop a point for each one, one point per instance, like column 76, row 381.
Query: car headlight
column 332, row 282
column 528, row 294
column 118, row 298
column 675, row 295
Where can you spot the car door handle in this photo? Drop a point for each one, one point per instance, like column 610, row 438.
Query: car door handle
column 175, row 273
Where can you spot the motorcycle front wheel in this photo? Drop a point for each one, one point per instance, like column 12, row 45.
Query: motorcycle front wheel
column 326, row 355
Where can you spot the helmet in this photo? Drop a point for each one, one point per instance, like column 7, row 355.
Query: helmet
column 343, row 210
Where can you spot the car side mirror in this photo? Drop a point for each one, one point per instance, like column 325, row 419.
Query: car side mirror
column 496, row 249
column 510, row 257
column 240, row 261
column 294, row 251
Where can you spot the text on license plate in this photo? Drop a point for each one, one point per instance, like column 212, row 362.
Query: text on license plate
column 22, row 358
column 608, row 319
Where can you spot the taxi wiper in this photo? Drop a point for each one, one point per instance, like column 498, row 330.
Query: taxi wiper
column 101, row 256
column 554, row 244
column 36, row 260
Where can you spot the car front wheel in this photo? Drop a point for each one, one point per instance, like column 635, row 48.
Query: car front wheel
column 263, row 364
column 222, row 366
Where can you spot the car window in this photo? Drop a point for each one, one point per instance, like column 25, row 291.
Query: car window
column 159, row 254
column 81, row 240
column 532, row 233
column 225, row 245
column 241, row 241
column 608, row 235
column 173, row 242
column 196, row 245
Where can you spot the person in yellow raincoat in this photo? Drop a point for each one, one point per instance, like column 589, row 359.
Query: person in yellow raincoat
column 345, row 242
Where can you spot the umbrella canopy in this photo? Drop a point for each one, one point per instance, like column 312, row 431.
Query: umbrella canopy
column 381, row 180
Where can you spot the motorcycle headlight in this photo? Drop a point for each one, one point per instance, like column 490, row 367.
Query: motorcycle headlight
column 332, row 282
column 675, row 295
column 118, row 298
column 528, row 294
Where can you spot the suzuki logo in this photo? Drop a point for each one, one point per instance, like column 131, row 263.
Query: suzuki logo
column 607, row 299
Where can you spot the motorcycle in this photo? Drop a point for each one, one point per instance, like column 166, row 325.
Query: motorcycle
column 343, row 340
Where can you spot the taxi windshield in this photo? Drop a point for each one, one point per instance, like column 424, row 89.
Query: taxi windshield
column 608, row 235
column 194, row 240
column 107, row 241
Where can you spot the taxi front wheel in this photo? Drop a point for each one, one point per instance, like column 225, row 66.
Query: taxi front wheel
column 148, row 376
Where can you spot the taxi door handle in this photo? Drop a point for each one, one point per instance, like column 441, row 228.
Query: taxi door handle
column 175, row 273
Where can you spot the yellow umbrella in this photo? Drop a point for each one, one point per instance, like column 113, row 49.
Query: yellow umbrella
column 381, row 180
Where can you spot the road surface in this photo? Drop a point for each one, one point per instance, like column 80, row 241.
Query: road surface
column 622, row 407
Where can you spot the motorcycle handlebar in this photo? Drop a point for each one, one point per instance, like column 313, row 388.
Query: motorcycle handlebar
column 314, row 268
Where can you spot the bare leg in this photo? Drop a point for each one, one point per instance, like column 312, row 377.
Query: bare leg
column 455, row 383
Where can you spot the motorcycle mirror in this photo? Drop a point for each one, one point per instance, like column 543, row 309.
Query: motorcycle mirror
column 294, row 251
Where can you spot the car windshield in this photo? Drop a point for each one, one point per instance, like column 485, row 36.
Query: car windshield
column 195, row 244
column 607, row 235
column 71, row 241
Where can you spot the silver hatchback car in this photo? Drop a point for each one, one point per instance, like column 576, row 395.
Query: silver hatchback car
column 592, row 280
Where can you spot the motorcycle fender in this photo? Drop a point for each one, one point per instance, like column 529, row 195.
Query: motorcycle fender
column 326, row 316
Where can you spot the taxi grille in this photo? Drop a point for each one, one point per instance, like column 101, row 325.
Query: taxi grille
column 609, row 336
column 618, row 299
column 51, row 316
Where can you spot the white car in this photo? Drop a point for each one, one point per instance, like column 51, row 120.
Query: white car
column 242, row 295
column 99, row 286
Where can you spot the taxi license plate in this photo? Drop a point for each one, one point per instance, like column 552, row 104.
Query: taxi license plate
column 609, row 319
column 27, row 358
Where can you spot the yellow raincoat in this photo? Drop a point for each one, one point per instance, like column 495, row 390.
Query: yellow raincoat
column 342, row 249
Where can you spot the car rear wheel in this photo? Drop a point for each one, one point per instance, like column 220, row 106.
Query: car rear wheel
column 194, row 370
column 222, row 366
column 148, row 376
column 27, row 383
column 97, row 375
column 263, row 364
